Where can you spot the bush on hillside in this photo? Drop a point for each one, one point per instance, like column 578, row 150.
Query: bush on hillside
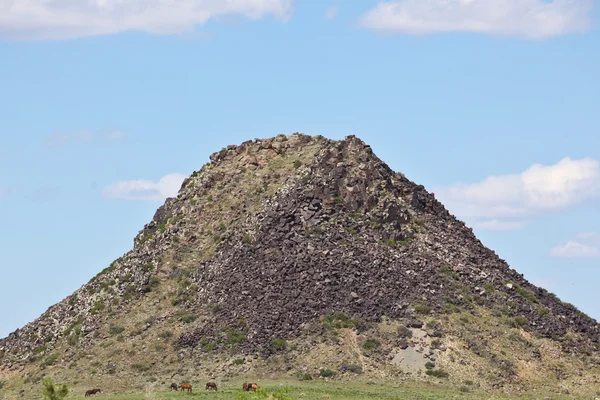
column 50, row 391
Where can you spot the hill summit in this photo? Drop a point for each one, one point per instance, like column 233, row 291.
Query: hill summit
column 304, row 256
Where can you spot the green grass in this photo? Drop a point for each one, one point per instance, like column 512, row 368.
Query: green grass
column 316, row 390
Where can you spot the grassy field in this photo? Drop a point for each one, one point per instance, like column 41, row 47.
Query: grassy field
column 322, row 391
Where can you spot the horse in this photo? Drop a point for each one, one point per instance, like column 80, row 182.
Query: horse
column 92, row 392
column 186, row 386
column 173, row 386
column 250, row 386
column 211, row 385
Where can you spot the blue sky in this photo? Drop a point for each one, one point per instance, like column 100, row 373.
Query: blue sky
column 106, row 105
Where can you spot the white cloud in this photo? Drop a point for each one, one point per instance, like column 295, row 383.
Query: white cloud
column 63, row 19
column 505, row 201
column 531, row 19
column 145, row 190
column 573, row 249
column 331, row 12
column 586, row 244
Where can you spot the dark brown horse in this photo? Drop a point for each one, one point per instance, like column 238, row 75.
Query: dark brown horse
column 186, row 386
column 211, row 386
column 92, row 392
column 173, row 386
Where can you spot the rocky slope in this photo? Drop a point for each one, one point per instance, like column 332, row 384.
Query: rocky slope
column 283, row 247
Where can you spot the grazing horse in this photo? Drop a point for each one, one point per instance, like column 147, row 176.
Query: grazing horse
column 186, row 386
column 250, row 386
column 173, row 386
column 211, row 385
column 92, row 392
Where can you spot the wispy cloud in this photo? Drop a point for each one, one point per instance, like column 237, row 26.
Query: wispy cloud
column 64, row 19
column 586, row 245
column 331, row 12
column 145, row 190
column 59, row 139
column 506, row 201
column 531, row 19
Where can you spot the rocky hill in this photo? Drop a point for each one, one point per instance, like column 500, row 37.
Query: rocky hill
column 303, row 256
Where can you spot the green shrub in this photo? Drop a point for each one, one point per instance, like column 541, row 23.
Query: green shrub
column 1, row 385
column 519, row 321
column 371, row 345
column 438, row 373
column 391, row 243
column 51, row 360
column 435, row 344
column 278, row 345
column 422, row 308
column 527, row 294
column 115, row 330
column 207, row 345
column 141, row 367
column 489, row 287
column 39, row 349
column 166, row 335
column 248, row 238
column 153, row 283
column 97, row 307
column 306, row 377
column 184, row 317
column 339, row 320
column 235, row 337
column 542, row 310
column 50, row 391
column 297, row 164
column 326, row 373
column 239, row 361
column 429, row 365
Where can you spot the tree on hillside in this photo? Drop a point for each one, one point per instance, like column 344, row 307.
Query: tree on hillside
column 50, row 391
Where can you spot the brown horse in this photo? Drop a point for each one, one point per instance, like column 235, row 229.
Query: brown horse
column 211, row 385
column 92, row 392
column 173, row 386
column 250, row 386
column 186, row 386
